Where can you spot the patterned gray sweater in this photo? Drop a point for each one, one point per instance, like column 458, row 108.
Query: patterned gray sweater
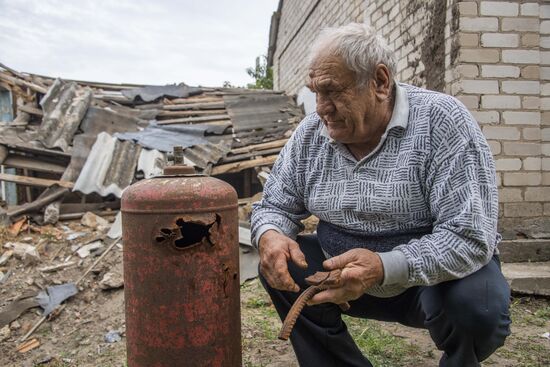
column 432, row 169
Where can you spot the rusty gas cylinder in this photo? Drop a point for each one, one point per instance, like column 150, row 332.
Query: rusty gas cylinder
column 181, row 271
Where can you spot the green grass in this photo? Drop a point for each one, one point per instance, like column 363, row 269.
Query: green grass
column 382, row 348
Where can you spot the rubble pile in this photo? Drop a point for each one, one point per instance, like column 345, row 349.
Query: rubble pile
column 89, row 140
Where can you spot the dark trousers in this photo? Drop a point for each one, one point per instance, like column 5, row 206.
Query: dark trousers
column 467, row 318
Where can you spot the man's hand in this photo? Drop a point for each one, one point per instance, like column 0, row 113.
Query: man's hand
column 276, row 250
column 361, row 269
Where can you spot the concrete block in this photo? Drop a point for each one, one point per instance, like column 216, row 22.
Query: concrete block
column 499, row 40
column 515, row 210
column 501, row 102
column 524, row 250
column 486, row 117
column 500, row 71
column 530, row 9
column 499, row 8
column 522, row 178
column 521, row 87
column 531, row 133
column 501, row 133
column 479, row 24
column 522, row 149
column 508, row 164
column 495, row 147
column 530, row 39
column 521, row 56
column 467, row 8
column 530, row 103
column 468, row 39
column 532, row 164
column 521, row 118
column 528, row 278
column 479, row 86
column 537, row 194
column 532, row 228
column 509, row 195
column 520, row 24
column 479, row 55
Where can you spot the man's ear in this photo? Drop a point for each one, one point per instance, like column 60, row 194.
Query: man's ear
column 382, row 82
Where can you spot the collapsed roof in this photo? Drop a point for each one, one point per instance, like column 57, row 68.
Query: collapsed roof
column 100, row 137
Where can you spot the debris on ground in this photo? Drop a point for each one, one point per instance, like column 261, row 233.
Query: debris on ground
column 113, row 336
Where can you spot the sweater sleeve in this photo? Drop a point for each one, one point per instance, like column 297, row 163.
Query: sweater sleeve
column 282, row 205
column 462, row 195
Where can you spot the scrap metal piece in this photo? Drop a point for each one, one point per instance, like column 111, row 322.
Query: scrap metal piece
column 318, row 282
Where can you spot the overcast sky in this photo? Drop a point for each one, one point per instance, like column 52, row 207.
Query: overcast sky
column 201, row 42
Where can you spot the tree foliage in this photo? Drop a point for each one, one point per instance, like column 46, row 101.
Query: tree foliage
column 261, row 73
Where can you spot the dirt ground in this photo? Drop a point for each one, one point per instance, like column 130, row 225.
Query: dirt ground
column 76, row 337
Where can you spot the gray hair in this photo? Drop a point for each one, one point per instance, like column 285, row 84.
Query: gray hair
column 358, row 45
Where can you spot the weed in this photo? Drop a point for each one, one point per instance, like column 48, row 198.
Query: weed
column 382, row 348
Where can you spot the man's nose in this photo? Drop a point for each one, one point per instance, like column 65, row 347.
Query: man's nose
column 324, row 106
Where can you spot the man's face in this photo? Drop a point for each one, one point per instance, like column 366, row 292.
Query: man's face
column 345, row 109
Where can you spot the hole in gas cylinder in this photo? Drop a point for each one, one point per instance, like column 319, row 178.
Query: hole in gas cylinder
column 191, row 233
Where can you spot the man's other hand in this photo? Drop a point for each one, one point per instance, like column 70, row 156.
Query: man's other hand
column 276, row 250
column 361, row 269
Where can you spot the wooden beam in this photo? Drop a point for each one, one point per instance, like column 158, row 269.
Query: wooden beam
column 190, row 113
column 31, row 110
column 194, row 100
column 190, row 120
column 33, row 164
column 23, row 83
column 194, row 106
column 256, row 153
column 34, row 181
column 239, row 166
column 3, row 154
column 262, row 146
column 43, row 200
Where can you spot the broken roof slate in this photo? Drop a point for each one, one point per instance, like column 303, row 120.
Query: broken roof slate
column 64, row 107
column 260, row 111
column 153, row 92
column 109, row 168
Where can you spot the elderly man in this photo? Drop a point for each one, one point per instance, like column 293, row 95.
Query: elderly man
column 404, row 185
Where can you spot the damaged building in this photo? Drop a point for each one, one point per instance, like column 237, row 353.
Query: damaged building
column 68, row 147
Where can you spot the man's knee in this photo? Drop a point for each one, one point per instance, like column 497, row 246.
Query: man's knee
column 480, row 310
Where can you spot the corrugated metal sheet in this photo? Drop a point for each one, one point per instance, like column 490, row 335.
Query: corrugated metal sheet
column 165, row 137
column 261, row 111
column 206, row 154
column 95, row 121
column 110, row 167
column 153, row 92
column 64, row 107
column 151, row 163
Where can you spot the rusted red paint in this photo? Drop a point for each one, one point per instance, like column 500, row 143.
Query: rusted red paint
column 182, row 303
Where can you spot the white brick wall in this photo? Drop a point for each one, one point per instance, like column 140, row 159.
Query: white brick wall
column 501, row 8
column 500, row 40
